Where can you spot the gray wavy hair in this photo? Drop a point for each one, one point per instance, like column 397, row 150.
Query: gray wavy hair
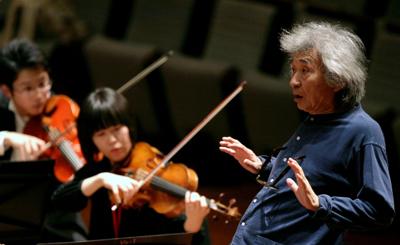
column 341, row 53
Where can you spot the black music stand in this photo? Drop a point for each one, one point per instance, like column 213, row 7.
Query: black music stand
column 163, row 239
column 25, row 189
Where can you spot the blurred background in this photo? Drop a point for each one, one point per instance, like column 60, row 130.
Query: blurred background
column 216, row 44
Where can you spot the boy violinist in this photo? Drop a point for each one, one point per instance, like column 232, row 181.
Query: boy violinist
column 106, row 136
column 25, row 82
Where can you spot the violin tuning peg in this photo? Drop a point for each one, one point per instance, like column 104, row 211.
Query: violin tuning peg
column 221, row 195
column 232, row 202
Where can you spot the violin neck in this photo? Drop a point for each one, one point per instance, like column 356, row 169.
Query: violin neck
column 168, row 187
column 163, row 185
column 176, row 190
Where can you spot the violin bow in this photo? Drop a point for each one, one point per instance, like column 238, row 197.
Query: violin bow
column 188, row 137
column 192, row 133
column 145, row 72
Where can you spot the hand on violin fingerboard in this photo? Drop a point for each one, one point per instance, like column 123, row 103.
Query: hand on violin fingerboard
column 196, row 209
column 26, row 147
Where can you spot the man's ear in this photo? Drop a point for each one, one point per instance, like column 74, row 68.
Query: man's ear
column 6, row 91
column 338, row 87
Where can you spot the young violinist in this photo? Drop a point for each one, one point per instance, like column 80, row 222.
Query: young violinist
column 25, row 82
column 106, row 136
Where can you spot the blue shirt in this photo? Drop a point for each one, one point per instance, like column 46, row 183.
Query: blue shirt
column 346, row 164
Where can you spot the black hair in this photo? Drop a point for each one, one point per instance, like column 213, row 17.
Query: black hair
column 103, row 108
column 17, row 55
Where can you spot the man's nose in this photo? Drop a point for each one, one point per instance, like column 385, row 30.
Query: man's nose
column 294, row 81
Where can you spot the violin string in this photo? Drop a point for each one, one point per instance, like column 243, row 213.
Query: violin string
column 179, row 191
column 64, row 146
column 162, row 184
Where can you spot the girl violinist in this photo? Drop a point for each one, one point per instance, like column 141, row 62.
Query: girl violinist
column 104, row 130
column 25, row 82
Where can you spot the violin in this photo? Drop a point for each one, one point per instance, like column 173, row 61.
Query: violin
column 157, row 166
column 166, row 190
column 56, row 125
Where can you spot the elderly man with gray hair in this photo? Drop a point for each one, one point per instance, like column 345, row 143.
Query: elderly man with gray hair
column 332, row 174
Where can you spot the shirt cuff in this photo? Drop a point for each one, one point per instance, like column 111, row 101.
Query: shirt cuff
column 324, row 207
column 2, row 146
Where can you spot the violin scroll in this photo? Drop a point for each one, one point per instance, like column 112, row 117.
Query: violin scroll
column 230, row 211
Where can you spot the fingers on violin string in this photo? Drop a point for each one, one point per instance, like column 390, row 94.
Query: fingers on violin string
column 187, row 195
column 203, row 201
column 194, row 197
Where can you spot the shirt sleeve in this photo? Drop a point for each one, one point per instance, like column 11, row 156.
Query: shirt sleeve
column 373, row 205
column 2, row 146
column 266, row 167
column 69, row 196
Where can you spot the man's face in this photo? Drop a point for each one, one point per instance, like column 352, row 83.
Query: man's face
column 31, row 90
column 309, row 89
